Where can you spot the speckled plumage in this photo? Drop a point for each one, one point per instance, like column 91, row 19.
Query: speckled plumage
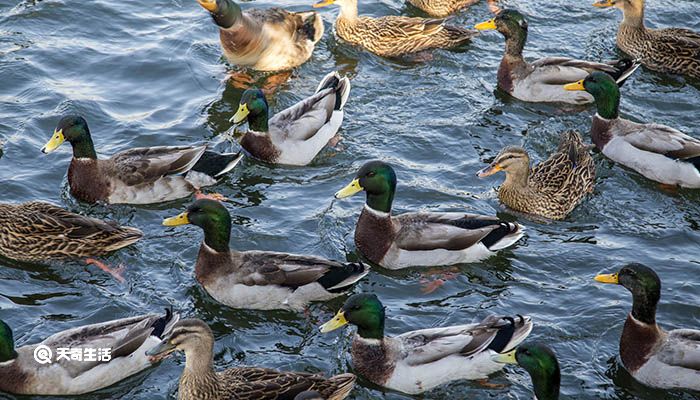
column 38, row 231
column 442, row 8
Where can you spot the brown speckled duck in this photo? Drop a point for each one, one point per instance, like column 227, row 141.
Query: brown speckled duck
column 265, row 40
column 554, row 187
column 670, row 50
column 542, row 80
column 442, row 8
column 142, row 175
column 199, row 381
column 394, row 36
column 657, row 358
column 38, row 231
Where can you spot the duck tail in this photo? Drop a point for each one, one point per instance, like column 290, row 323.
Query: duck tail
column 571, row 143
column 624, row 69
column 215, row 164
column 341, row 85
column 342, row 384
column 512, row 331
column 340, row 279
column 126, row 236
column 164, row 325
column 504, row 236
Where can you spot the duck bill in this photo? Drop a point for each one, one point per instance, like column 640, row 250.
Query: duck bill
column 487, row 25
column 505, row 358
column 161, row 350
column 182, row 219
column 324, row 3
column 488, row 171
column 575, row 86
column 209, row 5
column 337, row 322
column 604, row 4
column 240, row 115
column 608, row 278
column 56, row 140
column 351, row 189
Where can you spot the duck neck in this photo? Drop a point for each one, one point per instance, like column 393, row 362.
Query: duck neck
column 608, row 105
column 258, row 122
column 83, row 146
column 633, row 17
column 546, row 387
column 515, row 43
column 227, row 14
column 644, row 307
column 372, row 331
column 199, row 364
column 217, row 235
column 518, row 178
column 381, row 202
column 348, row 11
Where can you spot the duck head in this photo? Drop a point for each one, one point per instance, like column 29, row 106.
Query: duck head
column 73, row 129
column 378, row 180
column 254, row 109
column 512, row 160
column 604, row 90
column 512, row 25
column 363, row 310
column 645, row 286
column 212, row 217
column 541, row 363
column 224, row 12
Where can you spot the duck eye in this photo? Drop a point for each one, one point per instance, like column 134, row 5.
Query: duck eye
column 371, row 174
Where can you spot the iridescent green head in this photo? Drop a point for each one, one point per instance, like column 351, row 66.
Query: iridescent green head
column 512, row 25
column 542, row 365
column 378, row 180
column 224, row 12
column 7, row 343
column 604, row 90
column 253, row 108
column 212, row 217
column 363, row 310
column 645, row 286
column 73, row 129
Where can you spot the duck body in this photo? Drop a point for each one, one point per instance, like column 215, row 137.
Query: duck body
column 442, row 8
column 128, row 339
column 38, row 231
column 429, row 239
column 542, row 80
column 259, row 279
column 668, row 50
column 551, row 189
column 265, row 40
column 296, row 135
column 199, row 381
column 658, row 152
column 144, row 175
column 420, row 360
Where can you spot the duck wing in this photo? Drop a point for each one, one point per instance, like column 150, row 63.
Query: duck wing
column 682, row 349
column 304, row 119
column 148, row 164
column 659, row 139
column 450, row 231
column 49, row 219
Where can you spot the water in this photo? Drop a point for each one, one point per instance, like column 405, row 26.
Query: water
column 151, row 73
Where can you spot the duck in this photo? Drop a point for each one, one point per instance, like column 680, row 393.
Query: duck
column 394, row 36
column 658, row 152
column 541, row 81
column 668, row 50
column 37, row 231
column 541, row 364
column 127, row 340
column 654, row 357
column 442, row 8
column 552, row 188
column 144, row 175
column 260, row 280
column 267, row 40
column 199, row 381
column 296, row 135
column 417, row 361
column 420, row 239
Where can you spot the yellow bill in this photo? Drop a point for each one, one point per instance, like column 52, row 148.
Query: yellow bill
column 604, row 4
column 505, row 358
column 487, row 25
column 337, row 322
column 241, row 114
column 209, row 5
column 488, row 171
column 349, row 190
column 182, row 219
column 324, row 3
column 575, row 86
column 608, row 278
column 56, row 140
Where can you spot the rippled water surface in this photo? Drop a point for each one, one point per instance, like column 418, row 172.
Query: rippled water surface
column 151, row 73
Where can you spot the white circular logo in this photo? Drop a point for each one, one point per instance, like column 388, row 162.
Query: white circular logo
column 43, row 354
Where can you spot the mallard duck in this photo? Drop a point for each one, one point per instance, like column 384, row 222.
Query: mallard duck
column 127, row 338
column 38, row 231
column 658, row 152
column 442, row 8
column 420, row 238
column 417, row 361
column 265, row 40
column 296, row 135
column 541, row 363
column 261, row 280
column 541, row 80
column 199, row 381
column 668, row 360
column 554, row 187
column 394, row 36
column 670, row 50
column 142, row 175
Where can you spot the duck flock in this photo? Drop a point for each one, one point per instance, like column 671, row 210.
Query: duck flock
column 274, row 40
